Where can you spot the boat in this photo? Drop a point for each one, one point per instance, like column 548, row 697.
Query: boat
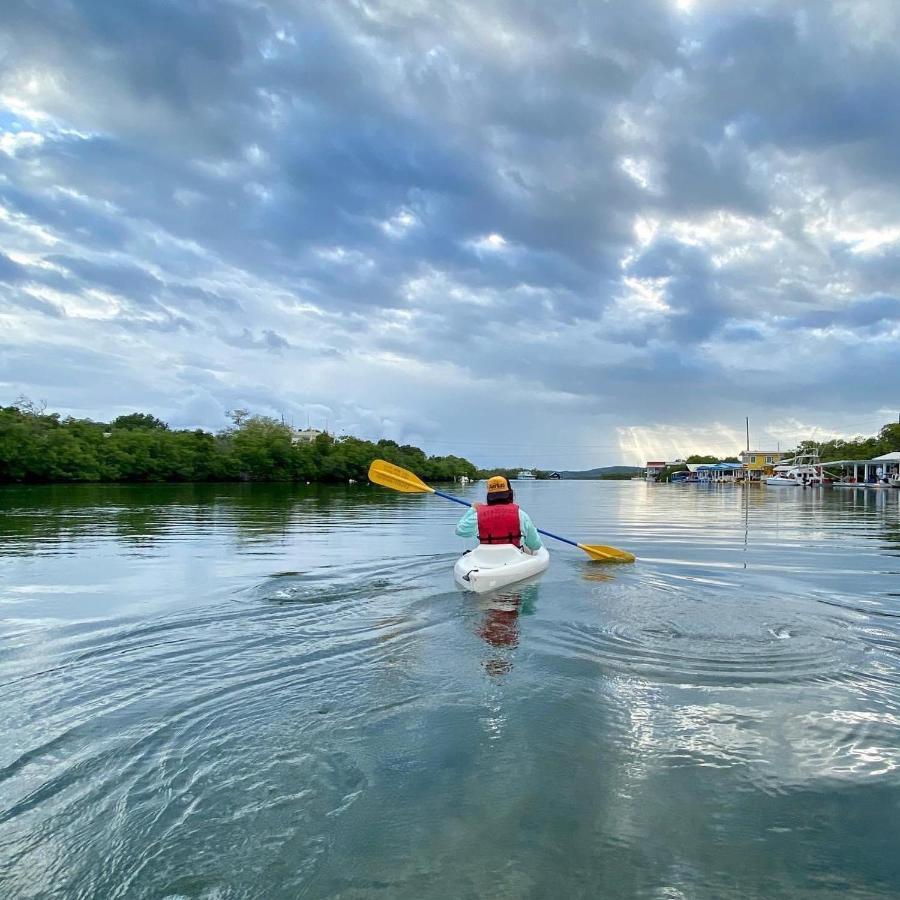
column 525, row 475
column 803, row 470
column 492, row 566
column 895, row 480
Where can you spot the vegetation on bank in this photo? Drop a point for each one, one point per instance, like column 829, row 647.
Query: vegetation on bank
column 41, row 447
column 36, row 447
column 886, row 441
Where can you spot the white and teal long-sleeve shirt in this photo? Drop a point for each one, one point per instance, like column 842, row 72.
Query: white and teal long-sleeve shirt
column 468, row 527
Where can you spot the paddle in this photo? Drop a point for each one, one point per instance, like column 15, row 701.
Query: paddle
column 391, row 476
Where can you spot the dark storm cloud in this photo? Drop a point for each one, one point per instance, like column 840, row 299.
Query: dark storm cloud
column 498, row 187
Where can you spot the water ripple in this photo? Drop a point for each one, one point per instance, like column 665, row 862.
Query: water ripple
column 223, row 692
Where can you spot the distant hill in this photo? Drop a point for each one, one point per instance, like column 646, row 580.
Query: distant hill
column 603, row 472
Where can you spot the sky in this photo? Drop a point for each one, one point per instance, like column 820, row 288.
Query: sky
column 559, row 235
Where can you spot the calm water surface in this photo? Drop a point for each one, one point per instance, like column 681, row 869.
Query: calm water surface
column 277, row 692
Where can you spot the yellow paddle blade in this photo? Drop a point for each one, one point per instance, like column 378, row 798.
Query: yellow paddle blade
column 607, row 554
column 391, row 476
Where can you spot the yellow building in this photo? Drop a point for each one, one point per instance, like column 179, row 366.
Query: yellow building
column 761, row 462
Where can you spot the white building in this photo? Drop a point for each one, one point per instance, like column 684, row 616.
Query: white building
column 306, row 436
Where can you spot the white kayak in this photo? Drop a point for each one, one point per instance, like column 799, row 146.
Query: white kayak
column 492, row 566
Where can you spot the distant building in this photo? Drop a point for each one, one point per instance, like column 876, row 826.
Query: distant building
column 719, row 473
column 306, row 436
column 652, row 470
column 760, row 462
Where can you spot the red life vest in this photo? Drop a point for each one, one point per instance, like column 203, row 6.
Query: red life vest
column 499, row 524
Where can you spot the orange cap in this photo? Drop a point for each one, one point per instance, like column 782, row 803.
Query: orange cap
column 497, row 484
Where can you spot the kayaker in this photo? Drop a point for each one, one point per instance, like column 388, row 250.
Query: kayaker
column 500, row 521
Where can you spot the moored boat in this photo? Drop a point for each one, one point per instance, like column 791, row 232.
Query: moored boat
column 492, row 566
column 803, row 470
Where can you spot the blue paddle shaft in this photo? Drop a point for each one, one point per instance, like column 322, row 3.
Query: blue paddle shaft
column 557, row 537
column 454, row 499
column 539, row 531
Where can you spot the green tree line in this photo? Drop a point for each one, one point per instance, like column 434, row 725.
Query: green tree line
column 36, row 447
column 886, row 441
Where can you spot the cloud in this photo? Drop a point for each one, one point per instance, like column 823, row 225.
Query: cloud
column 267, row 340
column 10, row 271
column 616, row 218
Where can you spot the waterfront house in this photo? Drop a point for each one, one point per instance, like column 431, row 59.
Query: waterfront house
column 760, row 463
column 653, row 469
column 720, row 473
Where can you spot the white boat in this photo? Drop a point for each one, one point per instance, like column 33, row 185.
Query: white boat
column 803, row 470
column 492, row 566
column 895, row 480
column 525, row 475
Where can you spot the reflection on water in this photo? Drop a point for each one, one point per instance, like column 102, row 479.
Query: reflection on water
column 277, row 691
column 499, row 626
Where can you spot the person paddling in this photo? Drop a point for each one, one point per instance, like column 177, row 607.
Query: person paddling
column 500, row 521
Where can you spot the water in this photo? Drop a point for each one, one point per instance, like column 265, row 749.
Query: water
column 277, row 692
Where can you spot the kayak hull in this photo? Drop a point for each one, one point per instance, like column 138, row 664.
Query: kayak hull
column 489, row 567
